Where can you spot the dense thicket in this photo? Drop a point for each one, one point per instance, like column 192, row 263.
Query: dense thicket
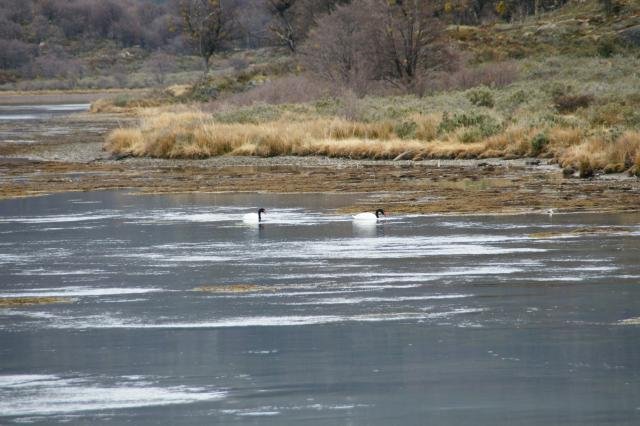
column 46, row 37
column 60, row 38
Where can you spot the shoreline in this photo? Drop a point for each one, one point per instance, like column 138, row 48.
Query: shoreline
column 73, row 160
column 419, row 188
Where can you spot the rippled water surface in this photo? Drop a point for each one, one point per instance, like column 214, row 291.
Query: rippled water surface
column 514, row 320
column 38, row 112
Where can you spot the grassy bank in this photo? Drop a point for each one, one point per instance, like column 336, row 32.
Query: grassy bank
column 582, row 112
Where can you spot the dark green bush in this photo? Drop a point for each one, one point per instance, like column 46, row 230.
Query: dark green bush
column 481, row 97
column 606, row 47
column 539, row 143
column 570, row 103
column 406, row 130
column 484, row 124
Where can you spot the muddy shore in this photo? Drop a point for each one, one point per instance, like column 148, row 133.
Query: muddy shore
column 72, row 159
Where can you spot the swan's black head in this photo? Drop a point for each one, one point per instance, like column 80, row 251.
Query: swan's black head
column 379, row 212
column 260, row 214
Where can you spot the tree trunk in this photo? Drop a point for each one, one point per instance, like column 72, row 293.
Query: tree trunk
column 205, row 62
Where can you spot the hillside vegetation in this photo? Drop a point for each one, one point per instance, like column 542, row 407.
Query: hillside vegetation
column 564, row 85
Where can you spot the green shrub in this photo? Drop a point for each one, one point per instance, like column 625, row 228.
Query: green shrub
column 471, row 135
column 121, row 101
column 203, row 91
column 557, row 89
column 606, row 47
column 485, row 124
column 406, row 130
column 481, row 97
column 615, row 114
column 539, row 143
column 517, row 97
column 257, row 113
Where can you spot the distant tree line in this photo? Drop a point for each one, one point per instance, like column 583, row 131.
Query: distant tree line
column 395, row 38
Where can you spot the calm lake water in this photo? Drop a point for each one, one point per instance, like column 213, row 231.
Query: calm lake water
column 39, row 112
column 418, row 320
column 28, row 124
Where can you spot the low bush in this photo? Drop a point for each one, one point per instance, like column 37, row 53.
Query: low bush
column 486, row 125
column 481, row 97
column 406, row 130
column 570, row 103
column 539, row 143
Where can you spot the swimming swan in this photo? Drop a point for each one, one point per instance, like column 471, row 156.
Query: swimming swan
column 368, row 217
column 253, row 218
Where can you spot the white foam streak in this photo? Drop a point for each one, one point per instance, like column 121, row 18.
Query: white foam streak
column 22, row 395
column 358, row 300
column 255, row 321
column 50, row 272
column 57, row 218
column 396, row 247
column 78, row 291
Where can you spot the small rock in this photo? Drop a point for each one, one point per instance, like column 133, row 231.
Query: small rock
column 631, row 35
column 568, row 172
column 118, row 157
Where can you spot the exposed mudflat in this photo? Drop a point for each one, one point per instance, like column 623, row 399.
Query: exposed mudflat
column 64, row 153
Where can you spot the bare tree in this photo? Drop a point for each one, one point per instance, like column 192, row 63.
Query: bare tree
column 412, row 38
column 282, row 27
column 292, row 19
column 392, row 41
column 210, row 25
column 342, row 48
column 159, row 65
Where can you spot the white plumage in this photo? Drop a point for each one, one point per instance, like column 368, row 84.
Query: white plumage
column 368, row 217
column 253, row 218
column 365, row 217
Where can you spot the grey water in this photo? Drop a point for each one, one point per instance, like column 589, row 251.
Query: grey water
column 35, row 123
column 39, row 112
column 416, row 320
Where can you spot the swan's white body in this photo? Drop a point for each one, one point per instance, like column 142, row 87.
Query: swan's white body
column 365, row 218
column 251, row 218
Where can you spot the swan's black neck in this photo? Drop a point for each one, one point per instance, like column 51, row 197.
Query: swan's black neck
column 378, row 213
column 260, row 211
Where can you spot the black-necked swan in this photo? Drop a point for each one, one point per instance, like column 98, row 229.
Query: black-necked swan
column 368, row 217
column 254, row 217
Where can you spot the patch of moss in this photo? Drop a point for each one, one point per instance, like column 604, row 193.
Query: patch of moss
column 229, row 288
column 10, row 302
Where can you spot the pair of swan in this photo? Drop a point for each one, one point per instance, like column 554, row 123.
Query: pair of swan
column 253, row 218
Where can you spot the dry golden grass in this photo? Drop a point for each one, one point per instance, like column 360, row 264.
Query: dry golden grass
column 122, row 105
column 598, row 153
column 514, row 141
column 187, row 133
column 193, row 135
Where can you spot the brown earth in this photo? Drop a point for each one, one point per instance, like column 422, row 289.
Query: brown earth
column 74, row 161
